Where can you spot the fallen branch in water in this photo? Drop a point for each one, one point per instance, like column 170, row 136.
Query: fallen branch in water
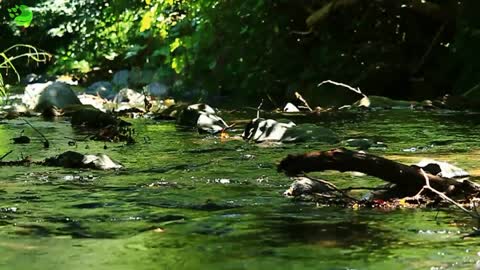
column 407, row 180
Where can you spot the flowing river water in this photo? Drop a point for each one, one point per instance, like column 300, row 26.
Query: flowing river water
column 191, row 201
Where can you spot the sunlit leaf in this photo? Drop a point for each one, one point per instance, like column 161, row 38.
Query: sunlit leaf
column 174, row 45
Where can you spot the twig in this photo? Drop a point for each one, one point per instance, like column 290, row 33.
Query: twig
column 471, row 90
column 4, row 156
column 356, row 90
column 272, row 101
column 303, row 33
column 46, row 143
column 331, row 186
column 429, row 49
column 443, row 196
column 299, row 97
column 258, row 108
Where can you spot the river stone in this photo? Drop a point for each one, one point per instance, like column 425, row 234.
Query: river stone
column 120, row 78
column 442, row 169
column 289, row 107
column 34, row 78
column 156, row 89
column 261, row 130
column 383, row 102
column 101, row 161
column 47, row 95
column 140, row 76
column 307, row 186
column 103, row 89
column 93, row 100
column 210, row 123
column 203, row 117
column 128, row 98
column 71, row 159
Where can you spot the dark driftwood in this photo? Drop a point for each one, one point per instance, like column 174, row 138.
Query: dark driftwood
column 408, row 180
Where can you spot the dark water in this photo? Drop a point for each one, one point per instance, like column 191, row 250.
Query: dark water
column 188, row 201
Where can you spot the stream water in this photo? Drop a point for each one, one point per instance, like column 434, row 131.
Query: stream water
column 190, row 201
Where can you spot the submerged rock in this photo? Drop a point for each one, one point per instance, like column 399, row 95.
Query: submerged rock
column 103, row 89
column 261, row 130
column 383, row 102
column 89, row 116
column 71, row 159
column 364, row 144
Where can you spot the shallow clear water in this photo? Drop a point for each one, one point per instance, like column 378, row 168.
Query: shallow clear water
column 189, row 201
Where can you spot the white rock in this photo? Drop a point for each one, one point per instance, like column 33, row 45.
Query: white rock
column 95, row 101
column 444, row 169
column 210, row 123
column 260, row 130
column 131, row 97
column 101, row 161
column 289, row 107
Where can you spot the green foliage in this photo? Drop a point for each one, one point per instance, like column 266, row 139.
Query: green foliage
column 250, row 47
column 21, row 51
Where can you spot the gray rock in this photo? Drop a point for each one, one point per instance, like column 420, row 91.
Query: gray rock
column 71, row 159
column 140, row 76
column 40, row 96
column 120, row 78
column 157, row 89
column 103, row 89
column 58, row 95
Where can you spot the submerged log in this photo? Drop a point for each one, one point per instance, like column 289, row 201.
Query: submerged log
column 408, row 179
